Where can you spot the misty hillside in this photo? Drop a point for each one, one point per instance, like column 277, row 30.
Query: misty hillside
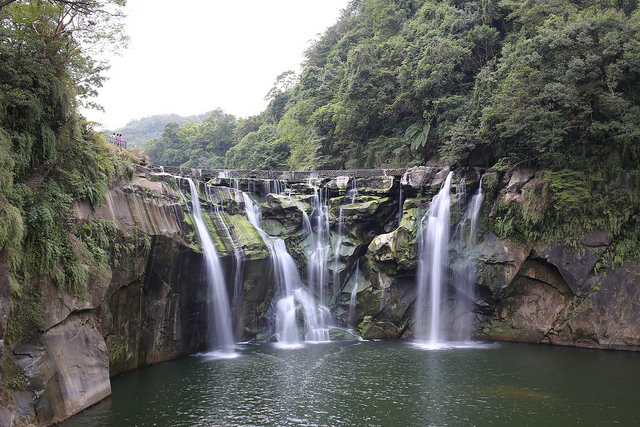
column 137, row 132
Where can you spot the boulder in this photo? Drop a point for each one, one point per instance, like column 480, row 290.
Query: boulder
column 340, row 183
column 499, row 262
column 418, row 177
column 518, row 179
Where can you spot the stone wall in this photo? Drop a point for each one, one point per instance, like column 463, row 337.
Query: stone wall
column 292, row 176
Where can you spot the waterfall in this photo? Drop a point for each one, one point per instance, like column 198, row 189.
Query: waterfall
column 400, row 204
column 294, row 298
column 274, row 186
column 354, row 294
column 433, row 242
column 336, row 253
column 465, row 267
column 238, row 253
column 476, row 203
column 317, row 270
column 220, row 333
column 353, row 192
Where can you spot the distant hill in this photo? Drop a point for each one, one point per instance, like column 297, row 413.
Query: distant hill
column 137, row 132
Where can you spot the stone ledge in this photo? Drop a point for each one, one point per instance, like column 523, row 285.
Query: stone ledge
column 276, row 175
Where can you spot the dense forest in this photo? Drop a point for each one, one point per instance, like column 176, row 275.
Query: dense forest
column 552, row 83
column 50, row 157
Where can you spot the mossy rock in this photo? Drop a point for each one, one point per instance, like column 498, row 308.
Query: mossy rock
column 248, row 236
column 336, row 334
column 370, row 329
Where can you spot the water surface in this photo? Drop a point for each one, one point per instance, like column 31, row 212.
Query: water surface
column 389, row 383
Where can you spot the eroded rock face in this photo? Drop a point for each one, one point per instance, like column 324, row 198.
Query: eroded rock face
column 609, row 317
column 499, row 262
column 68, row 371
column 551, row 294
column 142, row 308
column 532, row 305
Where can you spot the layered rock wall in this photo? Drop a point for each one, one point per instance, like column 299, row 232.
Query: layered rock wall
column 152, row 302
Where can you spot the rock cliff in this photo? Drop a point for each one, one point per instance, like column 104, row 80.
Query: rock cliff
column 151, row 303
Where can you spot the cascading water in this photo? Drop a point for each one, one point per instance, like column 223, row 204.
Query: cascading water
column 274, row 186
column 476, row 203
column 289, row 287
column 433, row 241
column 317, row 271
column 400, row 205
column 220, row 333
column 465, row 267
column 238, row 253
column 353, row 193
column 353, row 297
column 336, row 253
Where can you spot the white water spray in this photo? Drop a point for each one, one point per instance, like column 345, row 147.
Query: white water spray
column 354, row 295
column 433, row 246
column 220, row 334
column 294, row 298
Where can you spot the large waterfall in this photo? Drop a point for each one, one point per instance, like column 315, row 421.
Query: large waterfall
column 220, row 332
column 445, row 291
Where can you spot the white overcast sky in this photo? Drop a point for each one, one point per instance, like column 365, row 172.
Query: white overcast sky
column 191, row 56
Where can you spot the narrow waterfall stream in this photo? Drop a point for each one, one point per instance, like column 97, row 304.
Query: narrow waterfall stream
column 353, row 296
column 220, row 332
column 238, row 253
column 317, row 271
column 433, row 241
column 464, row 268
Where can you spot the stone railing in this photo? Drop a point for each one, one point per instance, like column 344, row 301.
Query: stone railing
column 295, row 176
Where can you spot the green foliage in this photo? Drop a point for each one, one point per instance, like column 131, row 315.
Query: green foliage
column 562, row 98
column 259, row 150
column 194, row 145
column 551, row 84
column 566, row 204
column 50, row 158
column 13, row 377
column 26, row 316
column 11, row 231
column 417, row 135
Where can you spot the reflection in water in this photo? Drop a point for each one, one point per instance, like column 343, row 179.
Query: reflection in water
column 389, row 383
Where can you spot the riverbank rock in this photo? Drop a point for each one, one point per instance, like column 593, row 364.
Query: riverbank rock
column 67, row 369
column 550, row 294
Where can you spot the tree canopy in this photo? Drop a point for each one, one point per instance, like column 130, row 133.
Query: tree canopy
column 552, row 83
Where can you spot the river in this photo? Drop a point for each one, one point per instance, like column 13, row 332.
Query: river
column 384, row 383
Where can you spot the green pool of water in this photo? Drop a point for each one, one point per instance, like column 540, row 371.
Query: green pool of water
column 387, row 383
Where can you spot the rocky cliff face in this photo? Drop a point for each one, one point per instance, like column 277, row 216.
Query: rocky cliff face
column 152, row 302
column 556, row 293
